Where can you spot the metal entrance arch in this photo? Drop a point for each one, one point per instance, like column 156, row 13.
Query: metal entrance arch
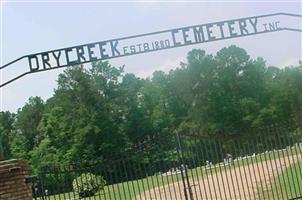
column 155, row 41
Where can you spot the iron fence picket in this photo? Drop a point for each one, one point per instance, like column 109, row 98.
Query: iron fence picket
column 293, row 144
column 200, row 165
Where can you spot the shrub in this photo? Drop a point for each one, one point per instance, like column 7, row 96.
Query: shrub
column 88, row 184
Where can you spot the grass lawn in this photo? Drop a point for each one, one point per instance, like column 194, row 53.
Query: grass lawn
column 288, row 184
column 128, row 190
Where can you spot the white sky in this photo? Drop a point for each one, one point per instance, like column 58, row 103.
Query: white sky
column 35, row 26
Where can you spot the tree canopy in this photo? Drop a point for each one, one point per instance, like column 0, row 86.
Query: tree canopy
column 104, row 110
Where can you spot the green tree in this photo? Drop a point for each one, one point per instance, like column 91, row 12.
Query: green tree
column 6, row 130
column 28, row 119
column 82, row 120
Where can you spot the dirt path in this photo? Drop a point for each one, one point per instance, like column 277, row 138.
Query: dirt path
column 234, row 183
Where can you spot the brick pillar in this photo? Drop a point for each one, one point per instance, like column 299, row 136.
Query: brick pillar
column 13, row 184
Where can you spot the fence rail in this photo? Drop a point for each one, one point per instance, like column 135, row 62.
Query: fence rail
column 263, row 163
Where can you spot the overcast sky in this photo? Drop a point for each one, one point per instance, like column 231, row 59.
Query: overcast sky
column 34, row 26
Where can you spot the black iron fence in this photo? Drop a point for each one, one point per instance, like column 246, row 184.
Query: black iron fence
column 262, row 163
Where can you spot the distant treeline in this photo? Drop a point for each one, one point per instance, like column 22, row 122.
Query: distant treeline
column 102, row 110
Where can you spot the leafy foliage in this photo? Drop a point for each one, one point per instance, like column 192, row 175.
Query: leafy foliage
column 99, row 111
column 88, row 184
